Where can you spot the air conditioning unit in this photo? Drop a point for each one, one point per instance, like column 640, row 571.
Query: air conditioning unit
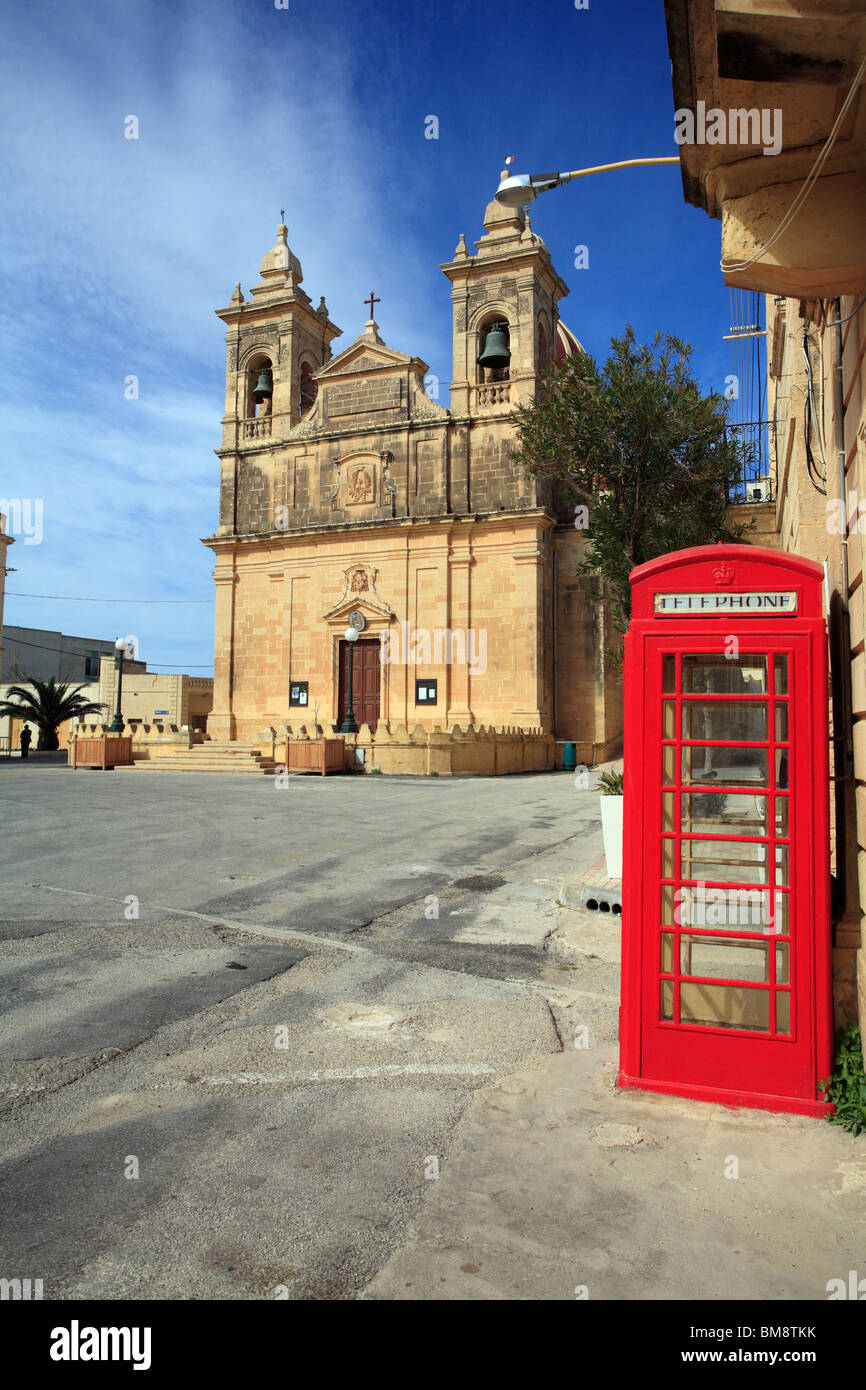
column 760, row 489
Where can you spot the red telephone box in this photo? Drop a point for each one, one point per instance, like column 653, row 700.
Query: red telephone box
column 726, row 982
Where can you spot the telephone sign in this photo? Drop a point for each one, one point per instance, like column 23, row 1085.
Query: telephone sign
column 725, row 602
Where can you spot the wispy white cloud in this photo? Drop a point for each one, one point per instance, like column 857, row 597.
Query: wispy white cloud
column 119, row 250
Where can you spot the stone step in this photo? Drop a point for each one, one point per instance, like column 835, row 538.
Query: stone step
column 213, row 756
column 225, row 748
column 202, row 765
column 237, row 755
column 240, row 750
column 200, row 750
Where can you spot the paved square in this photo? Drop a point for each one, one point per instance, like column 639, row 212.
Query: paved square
column 276, row 1002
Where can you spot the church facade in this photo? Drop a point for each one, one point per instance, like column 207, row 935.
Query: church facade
column 350, row 497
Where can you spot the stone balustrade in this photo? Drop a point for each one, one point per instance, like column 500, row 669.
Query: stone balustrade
column 492, row 393
column 256, row 429
column 147, row 739
column 483, row 751
column 392, row 747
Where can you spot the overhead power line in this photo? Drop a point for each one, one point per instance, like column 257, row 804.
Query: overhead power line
column 13, row 642
column 74, row 598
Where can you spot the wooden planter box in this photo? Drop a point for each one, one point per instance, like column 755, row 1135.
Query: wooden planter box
column 322, row 755
column 101, row 752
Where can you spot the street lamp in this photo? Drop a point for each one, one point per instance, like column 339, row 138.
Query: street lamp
column 120, row 647
column 519, row 190
column 348, row 725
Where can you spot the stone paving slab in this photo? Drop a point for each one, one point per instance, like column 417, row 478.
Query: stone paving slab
column 559, row 1182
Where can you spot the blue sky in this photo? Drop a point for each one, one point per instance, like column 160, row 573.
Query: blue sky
column 117, row 251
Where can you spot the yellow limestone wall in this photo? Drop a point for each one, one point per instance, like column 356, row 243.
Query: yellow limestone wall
column 286, row 602
column 811, row 522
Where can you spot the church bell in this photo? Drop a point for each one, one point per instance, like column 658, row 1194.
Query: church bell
column 495, row 352
column 263, row 387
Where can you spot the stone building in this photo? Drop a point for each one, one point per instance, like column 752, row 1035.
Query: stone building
column 799, row 68
column 151, row 700
column 349, row 494
column 44, row 652
column 155, row 697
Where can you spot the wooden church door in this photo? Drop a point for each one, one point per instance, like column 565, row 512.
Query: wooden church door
column 366, row 675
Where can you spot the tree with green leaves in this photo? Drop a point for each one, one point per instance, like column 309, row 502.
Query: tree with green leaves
column 641, row 448
column 47, row 704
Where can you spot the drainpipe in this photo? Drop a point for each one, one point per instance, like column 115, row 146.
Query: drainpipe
column 553, row 638
column 841, row 684
column 840, row 452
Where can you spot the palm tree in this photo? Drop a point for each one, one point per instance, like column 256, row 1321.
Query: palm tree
column 47, row 704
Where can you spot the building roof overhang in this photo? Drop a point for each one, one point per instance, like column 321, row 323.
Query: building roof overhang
column 792, row 63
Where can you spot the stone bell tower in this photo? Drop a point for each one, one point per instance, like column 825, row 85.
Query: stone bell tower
column 346, row 488
column 510, row 284
column 277, row 341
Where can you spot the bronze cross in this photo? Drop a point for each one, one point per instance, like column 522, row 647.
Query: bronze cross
column 282, row 214
column 374, row 299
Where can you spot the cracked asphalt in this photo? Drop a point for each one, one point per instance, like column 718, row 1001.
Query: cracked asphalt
column 240, row 1025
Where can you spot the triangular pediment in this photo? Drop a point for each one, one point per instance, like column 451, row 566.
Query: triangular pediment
column 366, row 355
column 372, row 610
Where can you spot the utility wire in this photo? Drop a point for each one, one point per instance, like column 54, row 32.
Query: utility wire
column 62, row 651
column 836, row 323
column 809, row 183
column 74, row 598
column 810, row 421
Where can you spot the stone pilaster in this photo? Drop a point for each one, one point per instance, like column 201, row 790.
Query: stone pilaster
column 528, row 612
column 459, row 709
column 220, row 721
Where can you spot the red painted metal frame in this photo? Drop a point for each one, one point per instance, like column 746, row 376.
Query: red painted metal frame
column 764, row 1070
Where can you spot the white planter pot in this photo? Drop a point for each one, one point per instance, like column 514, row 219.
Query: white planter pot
column 611, row 826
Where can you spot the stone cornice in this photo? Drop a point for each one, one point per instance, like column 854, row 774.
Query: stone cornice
column 297, row 305
column 483, row 267
column 491, row 521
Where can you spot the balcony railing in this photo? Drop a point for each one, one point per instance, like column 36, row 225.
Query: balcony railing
column 492, row 393
column 756, row 445
column 256, row 429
